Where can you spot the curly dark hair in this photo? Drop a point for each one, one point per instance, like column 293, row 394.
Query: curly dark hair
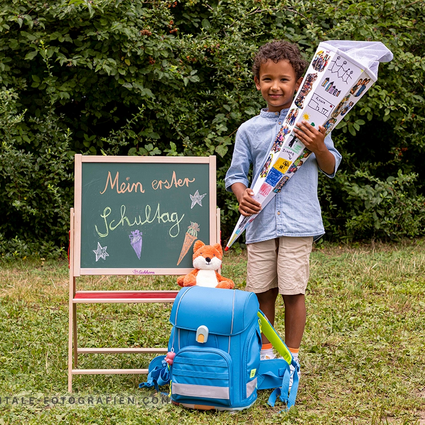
column 276, row 51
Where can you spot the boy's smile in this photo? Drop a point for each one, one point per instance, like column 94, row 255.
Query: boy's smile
column 278, row 83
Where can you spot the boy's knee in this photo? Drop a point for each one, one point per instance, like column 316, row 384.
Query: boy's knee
column 268, row 296
column 293, row 300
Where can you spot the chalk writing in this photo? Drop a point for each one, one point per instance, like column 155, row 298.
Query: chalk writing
column 159, row 184
column 149, row 217
column 123, row 187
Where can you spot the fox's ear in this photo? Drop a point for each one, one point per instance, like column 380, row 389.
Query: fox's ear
column 218, row 247
column 198, row 244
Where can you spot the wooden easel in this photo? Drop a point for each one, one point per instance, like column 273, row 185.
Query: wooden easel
column 89, row 297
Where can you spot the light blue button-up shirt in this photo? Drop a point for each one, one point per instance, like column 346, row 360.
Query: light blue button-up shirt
column 295, row 211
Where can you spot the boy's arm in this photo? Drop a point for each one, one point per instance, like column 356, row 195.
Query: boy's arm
column 237, row 175
column 244, row 195
column 314, row 140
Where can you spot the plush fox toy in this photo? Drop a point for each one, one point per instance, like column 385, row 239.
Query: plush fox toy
column 206, row 261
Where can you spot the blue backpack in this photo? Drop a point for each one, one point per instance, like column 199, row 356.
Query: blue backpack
column 216, row 342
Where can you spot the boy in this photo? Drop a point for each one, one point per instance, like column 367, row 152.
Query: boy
column 279, row 240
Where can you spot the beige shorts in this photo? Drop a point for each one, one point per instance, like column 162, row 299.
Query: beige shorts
column 279, row 263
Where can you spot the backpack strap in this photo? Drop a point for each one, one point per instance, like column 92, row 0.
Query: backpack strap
column 158, row 375
column 270, row 373
column 278, row 372
column 270, row 333
column 286, row 395
column 295, row 381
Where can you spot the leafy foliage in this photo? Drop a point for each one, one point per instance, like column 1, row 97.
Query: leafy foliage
column 385, row 209
column 34, row 181
column 173, row 78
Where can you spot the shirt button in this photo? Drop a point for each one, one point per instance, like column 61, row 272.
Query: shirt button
column 278, row 213
column 280, row 123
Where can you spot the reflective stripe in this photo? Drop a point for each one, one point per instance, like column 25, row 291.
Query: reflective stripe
column 250, row 387
column 233, row 318
column 197, row 391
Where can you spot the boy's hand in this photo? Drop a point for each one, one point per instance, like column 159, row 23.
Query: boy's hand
column 312, row 138
column 247, row 204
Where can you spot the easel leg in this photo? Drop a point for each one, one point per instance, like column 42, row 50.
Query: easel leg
column 70, row 347
column 74, row 316
column 72, row 326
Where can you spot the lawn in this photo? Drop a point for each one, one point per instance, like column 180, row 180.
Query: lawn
column 362, row 357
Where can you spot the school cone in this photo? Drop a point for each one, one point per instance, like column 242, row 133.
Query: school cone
column 340, row 74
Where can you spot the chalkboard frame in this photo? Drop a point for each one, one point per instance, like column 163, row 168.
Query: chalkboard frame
column 214, row 213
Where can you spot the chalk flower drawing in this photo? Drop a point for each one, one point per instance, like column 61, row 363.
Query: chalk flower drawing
column 101, row 252
column 196, row 198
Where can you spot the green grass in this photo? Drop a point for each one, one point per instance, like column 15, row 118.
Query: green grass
column 362, row 357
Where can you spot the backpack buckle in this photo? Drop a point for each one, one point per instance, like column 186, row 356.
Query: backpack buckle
column 202, row 334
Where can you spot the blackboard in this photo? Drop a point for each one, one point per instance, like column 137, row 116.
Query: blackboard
column 142, row 215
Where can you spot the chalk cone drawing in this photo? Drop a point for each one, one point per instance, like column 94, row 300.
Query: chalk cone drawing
column 339, row 74
column 101, row 252
column 136, row 241
column 196, row 198
column 190, row 237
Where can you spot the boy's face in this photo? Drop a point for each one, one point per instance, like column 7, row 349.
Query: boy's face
column 278, row 83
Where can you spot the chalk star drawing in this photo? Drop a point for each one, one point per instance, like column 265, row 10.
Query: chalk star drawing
column 196, row 198
column 101, row 252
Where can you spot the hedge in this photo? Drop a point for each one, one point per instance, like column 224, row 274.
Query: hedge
column 124, row 77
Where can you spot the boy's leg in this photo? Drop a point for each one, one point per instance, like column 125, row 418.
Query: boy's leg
column 295, row 318
column 267, row 301
column 262, row 276
column 293, row 274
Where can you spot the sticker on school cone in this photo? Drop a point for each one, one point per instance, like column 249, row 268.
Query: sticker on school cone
column 339, row 74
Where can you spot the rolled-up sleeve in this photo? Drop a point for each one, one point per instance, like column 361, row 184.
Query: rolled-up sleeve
column 330, row 145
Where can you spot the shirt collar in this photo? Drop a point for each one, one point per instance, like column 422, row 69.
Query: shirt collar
column 264, row 113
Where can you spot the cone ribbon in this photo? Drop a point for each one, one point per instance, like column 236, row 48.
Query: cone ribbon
column 339, row 75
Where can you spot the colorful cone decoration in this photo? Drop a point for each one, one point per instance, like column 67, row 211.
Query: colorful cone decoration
column 340, row 73
column 190, row 237
column 136, row 242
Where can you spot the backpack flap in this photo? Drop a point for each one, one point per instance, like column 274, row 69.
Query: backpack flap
column 220, row 312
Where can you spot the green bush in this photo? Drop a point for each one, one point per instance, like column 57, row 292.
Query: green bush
column 387, row 209
column 173, row 78
column 34, row 182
